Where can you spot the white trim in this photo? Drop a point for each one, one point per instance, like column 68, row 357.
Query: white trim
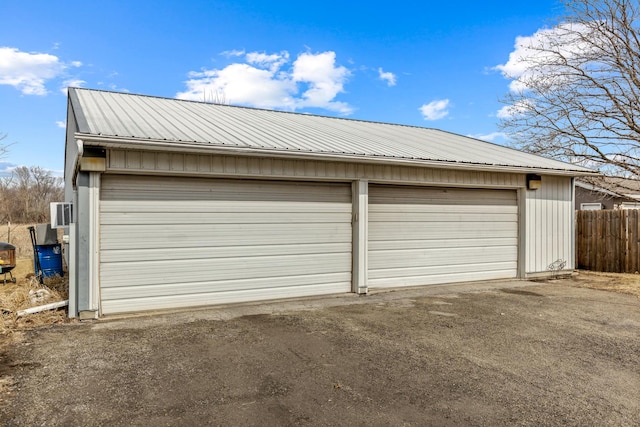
column 94, row 241
column 630, row 205
column 360, row 224
column 521, row 195
column 71, row 266
column 591, row 206
column 206, row 148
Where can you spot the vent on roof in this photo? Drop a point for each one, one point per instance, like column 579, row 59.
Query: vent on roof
column 61, row 214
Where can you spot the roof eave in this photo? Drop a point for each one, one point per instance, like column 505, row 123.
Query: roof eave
column 206, row 148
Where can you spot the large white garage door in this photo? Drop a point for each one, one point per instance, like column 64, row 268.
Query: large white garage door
column 420, row 236
column 178, row 242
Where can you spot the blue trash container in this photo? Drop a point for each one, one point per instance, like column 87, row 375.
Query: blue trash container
column 50, row 257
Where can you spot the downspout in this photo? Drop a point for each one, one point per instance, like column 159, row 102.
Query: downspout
column 76, row 166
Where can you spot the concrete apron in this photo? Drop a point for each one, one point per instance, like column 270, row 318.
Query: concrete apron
column 282, row 306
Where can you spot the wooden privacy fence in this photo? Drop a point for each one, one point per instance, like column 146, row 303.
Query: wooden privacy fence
column 608, row 240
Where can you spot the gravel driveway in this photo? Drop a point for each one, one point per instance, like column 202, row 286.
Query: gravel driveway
column 540, row 354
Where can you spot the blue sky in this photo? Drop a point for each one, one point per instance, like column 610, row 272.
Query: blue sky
column 430, row 64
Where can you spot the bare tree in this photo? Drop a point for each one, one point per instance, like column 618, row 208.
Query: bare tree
column 575, row 93
column 4, row 147
column 26, row 194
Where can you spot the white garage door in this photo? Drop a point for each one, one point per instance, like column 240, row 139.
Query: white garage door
column 420, row 236
column 178, row 242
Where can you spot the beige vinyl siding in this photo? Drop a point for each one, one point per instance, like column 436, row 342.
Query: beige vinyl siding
column 430, row 235
column 178, row 242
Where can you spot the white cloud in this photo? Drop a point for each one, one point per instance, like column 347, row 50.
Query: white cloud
column 531, row 56
column 71, row 83
column 234, row 52
column 6, row 169
column 490, row 136
column 313, row 80
column 324, row 80
column 61, row 124
column 388, row 76
column 242, row 84
column 28, row 72
column 435, row 110
column 272, row 62
column 516, row 109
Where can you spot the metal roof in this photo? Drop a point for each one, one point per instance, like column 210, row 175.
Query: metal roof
column 611, row 185
column 139, row 118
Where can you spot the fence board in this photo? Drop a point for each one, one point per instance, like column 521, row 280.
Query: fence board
column 608, row 240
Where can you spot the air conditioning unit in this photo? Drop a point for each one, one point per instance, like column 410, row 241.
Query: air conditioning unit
column 61, row 214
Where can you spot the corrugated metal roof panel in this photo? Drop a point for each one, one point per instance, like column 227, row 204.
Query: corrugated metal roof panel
column 162, row 119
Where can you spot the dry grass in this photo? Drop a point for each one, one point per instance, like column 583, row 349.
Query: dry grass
column 614, row 282
column 20, row 295
column 15, row 297
column 18, row 235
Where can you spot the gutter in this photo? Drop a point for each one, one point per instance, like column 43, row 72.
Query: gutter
column 195, row 148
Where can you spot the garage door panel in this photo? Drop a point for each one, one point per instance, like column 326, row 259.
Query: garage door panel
column 439, row 256
column 223, row 218
column 143, row 237
column 444, row 217
column 149, row 272
column 395, row 195
column 205, row 241
column 193, row 300
column 447, row 198
column 432, row 278
column 207, row 252
column 180, row 288
column 438, row 231
column 381, row 245
column 156, row 207
column 422, row 235
column 451, row 269
column 382, row 209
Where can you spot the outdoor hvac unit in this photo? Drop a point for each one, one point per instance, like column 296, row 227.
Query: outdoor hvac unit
column 61, row 214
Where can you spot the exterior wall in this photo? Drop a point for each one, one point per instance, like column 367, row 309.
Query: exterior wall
column 549, row 225
column 546, row 215
column 584, row 195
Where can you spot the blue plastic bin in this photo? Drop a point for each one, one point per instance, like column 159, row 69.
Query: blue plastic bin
column 50, row 257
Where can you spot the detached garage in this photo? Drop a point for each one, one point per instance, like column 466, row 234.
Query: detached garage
column 184, row 204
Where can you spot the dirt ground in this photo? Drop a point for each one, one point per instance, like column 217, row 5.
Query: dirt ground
column 545, row 354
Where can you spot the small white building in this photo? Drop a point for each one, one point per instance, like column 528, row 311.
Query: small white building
column 181, row 204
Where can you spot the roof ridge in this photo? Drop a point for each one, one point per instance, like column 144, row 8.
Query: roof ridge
column 165, row 98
